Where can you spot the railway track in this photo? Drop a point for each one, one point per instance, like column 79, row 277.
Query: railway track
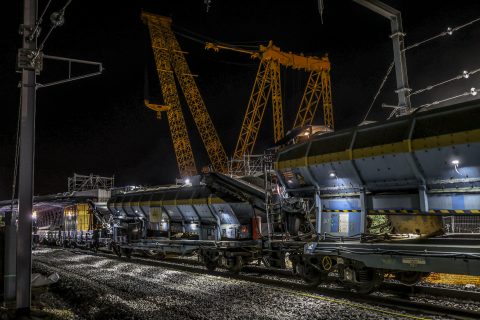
column 389, row 287
column 400, row 297
column 415, row 291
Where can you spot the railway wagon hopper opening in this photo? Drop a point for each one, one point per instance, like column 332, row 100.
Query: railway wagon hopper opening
column 399, row 196
column 176, row 213
column 411, row 175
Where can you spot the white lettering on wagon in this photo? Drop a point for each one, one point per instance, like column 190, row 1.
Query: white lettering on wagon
column 413, row 261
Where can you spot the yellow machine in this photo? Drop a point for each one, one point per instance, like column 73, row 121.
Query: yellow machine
column 78, row 217
column 267, row 83
column 171, row 63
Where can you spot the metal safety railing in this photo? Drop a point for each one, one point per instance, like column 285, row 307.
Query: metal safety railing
column 248, row 165
column 461, row 224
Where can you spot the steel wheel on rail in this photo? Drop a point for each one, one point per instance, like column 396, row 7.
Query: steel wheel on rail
column 235, row 264
column 127, row 251
column 410, row 278
column 149, row 253
column 116, row 250
column 211, row 265
column 367, row 280
column 210, row 258
column 310, row 274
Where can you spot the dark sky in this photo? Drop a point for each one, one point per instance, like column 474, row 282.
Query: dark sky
column 101, row 126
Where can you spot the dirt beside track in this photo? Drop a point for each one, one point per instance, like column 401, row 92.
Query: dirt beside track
column 102, row 288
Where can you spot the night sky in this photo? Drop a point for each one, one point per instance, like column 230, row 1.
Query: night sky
column 101, row 126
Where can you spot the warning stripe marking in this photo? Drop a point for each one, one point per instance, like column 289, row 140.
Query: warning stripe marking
column 411, row 211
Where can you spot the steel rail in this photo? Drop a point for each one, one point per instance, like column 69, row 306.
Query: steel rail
column 399, row 302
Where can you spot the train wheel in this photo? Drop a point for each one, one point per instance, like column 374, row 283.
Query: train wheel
column 211, row 265
column 410, row 278
column 148, row 253
column 276, row 260
column 210, row 259
column 235, row 264
column 311, row 275
column 116, row 250
column 127, row 252
column 368, row 280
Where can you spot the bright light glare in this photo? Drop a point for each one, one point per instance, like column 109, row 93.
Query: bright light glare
column 290, row 181
column 466, row 75
column 332, row 174
column 473, row 92
column 455, row 162
column 187, row 181
column 306, row 133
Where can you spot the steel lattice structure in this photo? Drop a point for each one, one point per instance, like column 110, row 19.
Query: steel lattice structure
column 268, row 84
column 83, row 182
column 171, row 63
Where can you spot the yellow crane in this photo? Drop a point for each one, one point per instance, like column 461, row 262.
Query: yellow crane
column 170, row 62
column 267, row 83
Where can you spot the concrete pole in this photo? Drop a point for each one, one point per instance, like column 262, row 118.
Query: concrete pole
column 10, row 259
column 25, row 184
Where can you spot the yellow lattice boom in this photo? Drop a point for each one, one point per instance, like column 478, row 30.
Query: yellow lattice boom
column 267, row 82
column 255, row 110
column 318, row 88
column 278, row 130
column 170, row 61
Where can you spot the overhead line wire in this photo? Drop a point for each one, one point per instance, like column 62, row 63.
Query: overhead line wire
column 464, row 75
column 39, row 21
column 17, row 154
column 197, row 37
column 379, row 90
column 472, row 92
column 449, row 31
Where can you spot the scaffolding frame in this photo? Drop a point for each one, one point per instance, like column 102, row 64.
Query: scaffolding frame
column 248, row 165
column 91, row 182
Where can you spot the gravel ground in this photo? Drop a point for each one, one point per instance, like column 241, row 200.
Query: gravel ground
column 104, row 288
column 466, row 287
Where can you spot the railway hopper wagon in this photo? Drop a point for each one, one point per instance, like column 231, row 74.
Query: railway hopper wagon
column 386, row 195
column 66, row 220
column 183, row 220
column 73, row 226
